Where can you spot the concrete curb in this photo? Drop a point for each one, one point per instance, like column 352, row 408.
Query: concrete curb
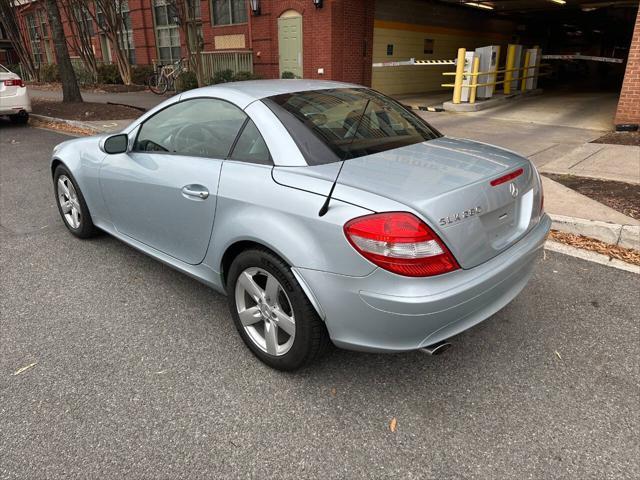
column 72, row 123
column 626, row 236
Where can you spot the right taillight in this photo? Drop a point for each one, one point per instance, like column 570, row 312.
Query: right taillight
column 400, row 243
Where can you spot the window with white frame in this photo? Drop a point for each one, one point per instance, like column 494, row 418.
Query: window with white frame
column 125, row 39
column 227, row 12
column 34, row 39
column 167, row 32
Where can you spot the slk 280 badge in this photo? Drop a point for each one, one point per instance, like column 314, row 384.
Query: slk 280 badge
column 456, row 217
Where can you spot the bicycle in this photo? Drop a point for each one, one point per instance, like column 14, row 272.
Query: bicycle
column 166, row 77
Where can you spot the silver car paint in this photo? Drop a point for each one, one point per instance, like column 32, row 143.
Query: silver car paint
column 364, row 307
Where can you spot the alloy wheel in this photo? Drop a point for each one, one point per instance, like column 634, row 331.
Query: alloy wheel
column 265, row 311
column 69, row 203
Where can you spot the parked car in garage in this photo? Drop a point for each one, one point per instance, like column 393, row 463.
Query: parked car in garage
column 325, row 211
column 14, row 98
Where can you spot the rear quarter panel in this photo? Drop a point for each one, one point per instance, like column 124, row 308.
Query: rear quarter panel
column 253, row 207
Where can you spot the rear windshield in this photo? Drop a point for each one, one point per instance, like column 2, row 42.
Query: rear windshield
column 344, row 123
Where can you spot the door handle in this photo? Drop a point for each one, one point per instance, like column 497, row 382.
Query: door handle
column 195, row 191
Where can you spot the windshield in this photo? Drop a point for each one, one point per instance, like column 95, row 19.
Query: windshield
column 349, row 122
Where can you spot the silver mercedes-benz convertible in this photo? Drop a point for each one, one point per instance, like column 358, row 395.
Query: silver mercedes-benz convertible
column 327, row 212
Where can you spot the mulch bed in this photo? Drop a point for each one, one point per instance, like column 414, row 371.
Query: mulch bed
column 620, row 138
column 623, row 197
column 99, row 88
column 85, row 111
column 625, row 254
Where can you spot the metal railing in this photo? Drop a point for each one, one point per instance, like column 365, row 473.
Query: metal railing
column 234, row 60
column 526, row 71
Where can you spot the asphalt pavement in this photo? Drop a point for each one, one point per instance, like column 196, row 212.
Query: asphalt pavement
column 139, row 372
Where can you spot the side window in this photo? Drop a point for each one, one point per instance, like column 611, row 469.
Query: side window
column 202, row 127
column 250, row 146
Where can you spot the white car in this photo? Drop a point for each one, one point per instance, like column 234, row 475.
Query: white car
column 14, row 99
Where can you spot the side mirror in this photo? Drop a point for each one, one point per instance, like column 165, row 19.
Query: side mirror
column 118, row 143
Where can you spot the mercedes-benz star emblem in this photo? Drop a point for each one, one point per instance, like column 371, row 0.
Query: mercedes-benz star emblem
column 513, row 189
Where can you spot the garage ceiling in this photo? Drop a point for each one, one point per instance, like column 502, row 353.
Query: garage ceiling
column 530, row 6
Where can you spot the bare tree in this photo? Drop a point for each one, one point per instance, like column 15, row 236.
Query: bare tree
column 82, row 32
column 17, row 37
column 70, row 88
column 185, row 13
column 112, row 24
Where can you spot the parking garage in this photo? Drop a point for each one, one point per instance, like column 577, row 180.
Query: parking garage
column 585, row 49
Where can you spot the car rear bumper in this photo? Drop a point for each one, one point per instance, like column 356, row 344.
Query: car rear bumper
column 384, row 312
column 12, row 104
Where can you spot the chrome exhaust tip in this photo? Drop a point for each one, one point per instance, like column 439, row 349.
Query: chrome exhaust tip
column 436, row 348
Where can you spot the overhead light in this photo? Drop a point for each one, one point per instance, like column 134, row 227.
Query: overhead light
column 480, row 5
column 560, row 2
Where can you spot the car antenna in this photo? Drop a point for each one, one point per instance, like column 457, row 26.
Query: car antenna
column 325, row 206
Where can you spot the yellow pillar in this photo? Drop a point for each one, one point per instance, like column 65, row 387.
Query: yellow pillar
column 508, row 75
column 474, row 80
column 525, row 70
column 457, row 88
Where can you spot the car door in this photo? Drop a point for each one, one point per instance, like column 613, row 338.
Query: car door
column 163, row 192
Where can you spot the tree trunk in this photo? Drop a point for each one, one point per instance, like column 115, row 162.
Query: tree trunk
column 70, row 88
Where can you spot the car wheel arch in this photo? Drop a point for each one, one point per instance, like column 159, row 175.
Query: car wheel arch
column 55, row 163
column 236, row 248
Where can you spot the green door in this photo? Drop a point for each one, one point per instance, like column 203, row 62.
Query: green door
column 290, row 45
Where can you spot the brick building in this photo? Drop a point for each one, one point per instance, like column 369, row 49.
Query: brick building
column 340, row 39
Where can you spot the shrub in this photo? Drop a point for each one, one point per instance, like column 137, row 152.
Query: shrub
column 141, row 73
column 289, row 75
column 83, row 75
column 241, row 76
column 49, row 73
column 186, row 81
column 108, row 74
column 222, row 76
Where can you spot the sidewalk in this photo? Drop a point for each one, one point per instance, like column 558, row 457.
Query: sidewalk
column 144, row 99
column 596, row 160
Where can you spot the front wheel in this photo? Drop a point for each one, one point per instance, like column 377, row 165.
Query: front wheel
column 272, row 313
column 158, row 84
column 71, row 205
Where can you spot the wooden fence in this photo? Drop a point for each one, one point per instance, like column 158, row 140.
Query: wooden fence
column 235, row 60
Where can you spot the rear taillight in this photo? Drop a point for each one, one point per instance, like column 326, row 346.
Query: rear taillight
column 14, row 82
column 507, row 177
column 401, row 243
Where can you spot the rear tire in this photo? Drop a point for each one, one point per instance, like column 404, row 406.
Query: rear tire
column 71, row 205
column 310, row 339
column 20, row 118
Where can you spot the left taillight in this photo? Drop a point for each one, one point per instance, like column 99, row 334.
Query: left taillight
column 14, row 82
column 400, row 243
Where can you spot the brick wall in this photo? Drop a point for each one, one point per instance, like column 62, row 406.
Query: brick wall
column 336, row 38
column 629, row 103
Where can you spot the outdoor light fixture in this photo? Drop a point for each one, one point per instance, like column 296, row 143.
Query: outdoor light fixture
column 255, row 6
column 480, row 5
column 317, row 3
column 175, row 19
